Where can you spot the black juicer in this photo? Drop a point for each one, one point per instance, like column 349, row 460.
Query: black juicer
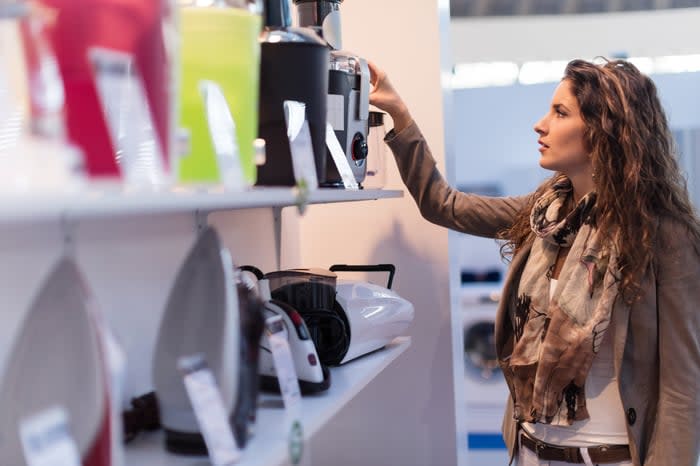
column 293, row 66
column 348, row 89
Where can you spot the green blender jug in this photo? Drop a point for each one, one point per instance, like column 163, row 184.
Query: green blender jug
column 220, row 60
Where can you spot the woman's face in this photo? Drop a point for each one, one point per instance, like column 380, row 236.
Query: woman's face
column 561, row 136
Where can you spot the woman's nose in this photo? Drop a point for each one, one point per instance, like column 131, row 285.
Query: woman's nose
column 540, row 127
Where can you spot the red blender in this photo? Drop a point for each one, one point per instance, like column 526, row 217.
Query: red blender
column 116, row 68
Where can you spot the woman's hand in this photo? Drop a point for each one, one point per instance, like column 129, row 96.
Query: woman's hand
column 384, row 96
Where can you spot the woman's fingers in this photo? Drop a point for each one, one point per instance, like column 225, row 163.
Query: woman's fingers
column 373, row 70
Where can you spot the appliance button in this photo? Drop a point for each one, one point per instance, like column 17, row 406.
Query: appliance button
column 359, row 148
column 631, row 416
column 312, row 359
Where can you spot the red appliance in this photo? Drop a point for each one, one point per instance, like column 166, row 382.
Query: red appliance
column 133, row 28
column 59, row 359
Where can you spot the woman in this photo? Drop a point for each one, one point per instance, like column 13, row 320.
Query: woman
column 598, row 331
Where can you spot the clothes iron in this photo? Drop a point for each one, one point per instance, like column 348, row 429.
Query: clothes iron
column 61, row 359
column 312, row 375
column 201, row 317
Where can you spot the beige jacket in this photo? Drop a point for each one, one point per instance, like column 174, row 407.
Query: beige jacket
column 656, row 341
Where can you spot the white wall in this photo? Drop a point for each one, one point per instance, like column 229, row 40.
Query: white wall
column 406, row 416
column 659, row 32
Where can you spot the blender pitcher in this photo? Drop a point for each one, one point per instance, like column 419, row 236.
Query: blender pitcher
column 376, row 154
column 220, row 62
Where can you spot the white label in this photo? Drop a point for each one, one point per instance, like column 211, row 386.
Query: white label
column 46, row 439
column 289, row 385
column 300, row 144
column 341, row 161
column 222, row 130
column 128, row 116
column 336, row 111
column 210, row 411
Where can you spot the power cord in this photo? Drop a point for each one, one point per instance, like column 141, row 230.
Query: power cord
column 143, row 416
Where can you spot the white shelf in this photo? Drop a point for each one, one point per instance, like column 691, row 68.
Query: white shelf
column 268, row 447
column 109, row 200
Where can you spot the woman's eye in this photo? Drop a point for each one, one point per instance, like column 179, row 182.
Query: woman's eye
column 560, row 113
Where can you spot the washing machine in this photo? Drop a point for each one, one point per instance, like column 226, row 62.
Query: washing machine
column 485, row 390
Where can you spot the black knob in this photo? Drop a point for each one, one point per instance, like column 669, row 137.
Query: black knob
column 359, row 147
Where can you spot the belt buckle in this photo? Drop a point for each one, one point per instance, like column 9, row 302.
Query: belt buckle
column 539, row 448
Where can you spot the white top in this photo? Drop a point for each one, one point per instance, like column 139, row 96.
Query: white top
column 607, row 424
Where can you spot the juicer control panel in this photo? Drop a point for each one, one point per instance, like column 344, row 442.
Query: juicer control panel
column 359, row 149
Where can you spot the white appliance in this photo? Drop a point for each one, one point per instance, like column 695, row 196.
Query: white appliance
column 375, row 316
column 311, row 374
column 201, row 318
column 485, row 389
column 346, row 319
column 62, row 340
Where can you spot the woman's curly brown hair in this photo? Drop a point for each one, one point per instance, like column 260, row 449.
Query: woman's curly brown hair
column 637, row 177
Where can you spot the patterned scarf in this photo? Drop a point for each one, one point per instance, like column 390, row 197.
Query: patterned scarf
column 556, row 339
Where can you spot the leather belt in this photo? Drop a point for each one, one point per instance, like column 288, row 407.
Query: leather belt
column 599, row 454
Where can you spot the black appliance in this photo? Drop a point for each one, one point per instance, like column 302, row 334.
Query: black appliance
column 348, row 89
column 293, row 66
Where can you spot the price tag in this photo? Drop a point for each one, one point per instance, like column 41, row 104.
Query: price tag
column 300, row 144
column 335, row 111
column 128, row 116
column 209, row 410
column 341, row 161
column 289, row 386
column 222, row 130
column 46, row 439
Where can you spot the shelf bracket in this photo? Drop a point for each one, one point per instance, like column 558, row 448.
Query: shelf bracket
column 68, row 226
column 200, row 220
column 277, row 220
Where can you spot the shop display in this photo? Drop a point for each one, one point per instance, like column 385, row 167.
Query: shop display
column 34, row 154
column 348, row 89
column 117, row 71
column 346, row 319
column 293, row 67
column 220, row 62
column 104, row 88
column 61, row 341
column 201, row 317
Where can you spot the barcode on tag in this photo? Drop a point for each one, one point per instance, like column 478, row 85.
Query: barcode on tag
column 47, row 441
column 209, row 410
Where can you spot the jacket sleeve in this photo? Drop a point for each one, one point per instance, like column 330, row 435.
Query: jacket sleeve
column 675, row 436
column 438, row 202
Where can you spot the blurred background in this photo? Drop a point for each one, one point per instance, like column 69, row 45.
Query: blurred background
column 500, row 88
